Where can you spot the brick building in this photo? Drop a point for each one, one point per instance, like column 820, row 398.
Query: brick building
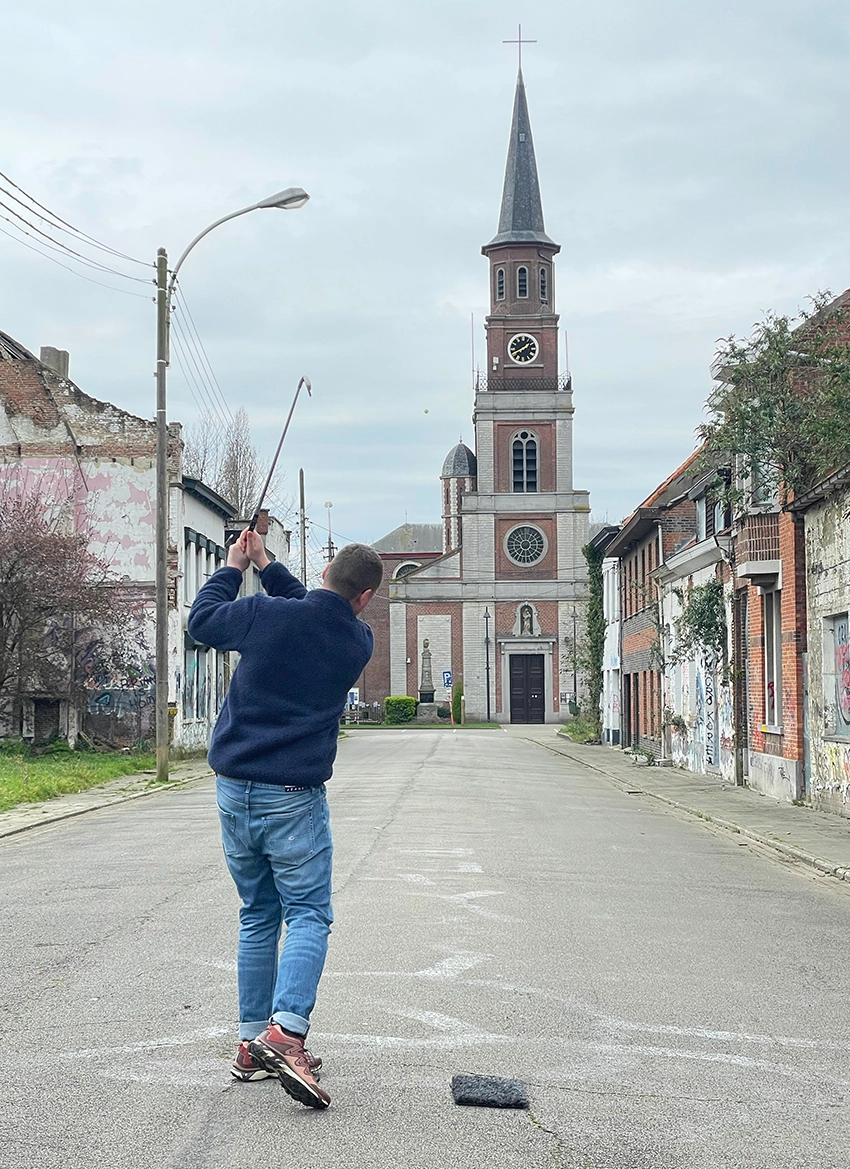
column 656, row 531
column 498, row 607
column 99, row 463
column 771, row 644
column 825, row 511
column 405, row 549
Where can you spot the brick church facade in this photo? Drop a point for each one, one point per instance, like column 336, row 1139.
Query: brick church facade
column 500, row 602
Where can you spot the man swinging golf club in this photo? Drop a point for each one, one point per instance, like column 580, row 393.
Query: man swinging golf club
column 272, row 749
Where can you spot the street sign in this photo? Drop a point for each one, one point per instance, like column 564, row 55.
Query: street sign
column 447, row 679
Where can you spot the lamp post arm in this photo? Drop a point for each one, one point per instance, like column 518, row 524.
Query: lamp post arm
column 200, row 236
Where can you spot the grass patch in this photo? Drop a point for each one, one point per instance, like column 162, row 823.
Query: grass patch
column 26, row 779
column 580, row 730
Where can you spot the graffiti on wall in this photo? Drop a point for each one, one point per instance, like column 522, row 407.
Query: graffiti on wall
column 841, row 630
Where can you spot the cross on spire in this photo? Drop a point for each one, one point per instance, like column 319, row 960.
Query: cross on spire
column 519, row 42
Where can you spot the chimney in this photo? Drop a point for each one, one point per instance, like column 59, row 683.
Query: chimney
column 55, row 359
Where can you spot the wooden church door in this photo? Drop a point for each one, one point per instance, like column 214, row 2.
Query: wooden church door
column 528, row 688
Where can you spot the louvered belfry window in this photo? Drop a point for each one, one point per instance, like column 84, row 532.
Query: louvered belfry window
column 500, row 284
column 524, row 452
column 522, row 282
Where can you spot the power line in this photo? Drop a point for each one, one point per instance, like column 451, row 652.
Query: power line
column 73, row 271
column 60, row 224
column 56, row 245
column 200, row 344
column 187, row 361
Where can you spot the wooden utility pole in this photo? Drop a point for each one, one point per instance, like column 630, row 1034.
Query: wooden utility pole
column 161, row 575
column 302, row 520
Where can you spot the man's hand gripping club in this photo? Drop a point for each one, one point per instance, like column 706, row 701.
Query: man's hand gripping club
column 248, row 549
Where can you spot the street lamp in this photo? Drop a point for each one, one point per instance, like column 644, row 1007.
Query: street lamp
column 574, row 703
column 487, row 656
column 331, row 549
column 289, row 200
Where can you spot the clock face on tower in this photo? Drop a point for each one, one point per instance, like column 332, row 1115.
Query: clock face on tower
column 523, row 348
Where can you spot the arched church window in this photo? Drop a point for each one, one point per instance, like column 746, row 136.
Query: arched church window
column 405, row 569
column 544, row 282
column 522, row 282
column 500, row 284
column 524, row 461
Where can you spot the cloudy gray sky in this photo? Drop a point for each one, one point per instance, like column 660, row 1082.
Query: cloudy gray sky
column 693, row 163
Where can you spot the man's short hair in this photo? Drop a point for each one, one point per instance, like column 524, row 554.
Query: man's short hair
column 353, row 570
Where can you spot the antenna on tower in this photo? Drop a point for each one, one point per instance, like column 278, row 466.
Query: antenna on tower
column 472, row 332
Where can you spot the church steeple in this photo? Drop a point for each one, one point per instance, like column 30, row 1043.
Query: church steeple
column 522, row 326
column 521, row 216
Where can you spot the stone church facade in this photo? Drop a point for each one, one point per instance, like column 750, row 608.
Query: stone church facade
column 500, row 607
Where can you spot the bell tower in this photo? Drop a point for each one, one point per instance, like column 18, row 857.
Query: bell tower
column 522, row 327
column 505, row 597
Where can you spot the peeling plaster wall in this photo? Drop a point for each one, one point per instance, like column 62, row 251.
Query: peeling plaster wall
column 96, row 465
column 828, row 592
column 696, row 691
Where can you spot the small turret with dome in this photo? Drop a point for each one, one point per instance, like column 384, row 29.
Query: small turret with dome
column 458, row 476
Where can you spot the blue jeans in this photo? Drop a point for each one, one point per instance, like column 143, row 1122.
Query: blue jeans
column 279, row 852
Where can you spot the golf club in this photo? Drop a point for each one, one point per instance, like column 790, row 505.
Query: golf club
column 305, row 381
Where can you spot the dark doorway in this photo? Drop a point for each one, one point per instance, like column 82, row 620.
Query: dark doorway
column 46, row 719
column 528, row 689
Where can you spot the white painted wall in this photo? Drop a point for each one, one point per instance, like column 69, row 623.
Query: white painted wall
column 437, row 628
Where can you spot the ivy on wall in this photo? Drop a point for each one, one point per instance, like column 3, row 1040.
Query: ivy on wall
column 701, row 625
column 595, row 636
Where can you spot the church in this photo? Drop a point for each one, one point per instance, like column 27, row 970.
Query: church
column 496, row 595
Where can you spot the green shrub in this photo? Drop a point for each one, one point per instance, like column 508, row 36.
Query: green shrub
column 444, row 711
column 457, row 694
column 57, row 747
column 581, row 730
column 14, row 746
column 399, row 709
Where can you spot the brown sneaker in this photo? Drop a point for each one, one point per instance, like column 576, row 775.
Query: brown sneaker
column 245, row 1068
column 285, row 1057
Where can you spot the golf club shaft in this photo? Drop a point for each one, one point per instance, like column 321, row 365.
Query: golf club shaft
column 305, row 381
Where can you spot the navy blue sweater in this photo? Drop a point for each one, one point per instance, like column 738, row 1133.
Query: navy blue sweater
column 301, row 654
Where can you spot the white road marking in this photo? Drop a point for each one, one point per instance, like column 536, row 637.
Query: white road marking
column 186, row 1040
column 714, row 1057
column 437, row 851
column 452, row 966
column 467, row 899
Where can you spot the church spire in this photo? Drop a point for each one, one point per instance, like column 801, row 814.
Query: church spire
column 521, row 216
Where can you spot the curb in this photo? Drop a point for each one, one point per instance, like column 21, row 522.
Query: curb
column 789, row 850
column 54, row 819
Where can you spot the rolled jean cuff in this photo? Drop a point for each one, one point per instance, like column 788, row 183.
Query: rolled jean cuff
column 252, row 1030
column 295, row 1023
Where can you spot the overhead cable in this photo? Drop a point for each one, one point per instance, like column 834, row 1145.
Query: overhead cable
column 60, row 224
column 58, row 246
column 74, row 271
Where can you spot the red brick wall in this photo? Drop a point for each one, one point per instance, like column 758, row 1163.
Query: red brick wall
column 374, row 682
column 503, row 432
column 789, row 744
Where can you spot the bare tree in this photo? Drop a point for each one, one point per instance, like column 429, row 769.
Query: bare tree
column 66, row 622
column 202, row 453
column 228, row 461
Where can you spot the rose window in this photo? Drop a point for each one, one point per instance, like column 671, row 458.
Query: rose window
column 525, row 545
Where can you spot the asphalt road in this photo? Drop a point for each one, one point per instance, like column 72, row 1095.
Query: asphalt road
column 672, row 997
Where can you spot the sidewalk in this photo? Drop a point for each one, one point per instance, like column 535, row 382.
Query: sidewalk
column 116, row 791
column 819, row 839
